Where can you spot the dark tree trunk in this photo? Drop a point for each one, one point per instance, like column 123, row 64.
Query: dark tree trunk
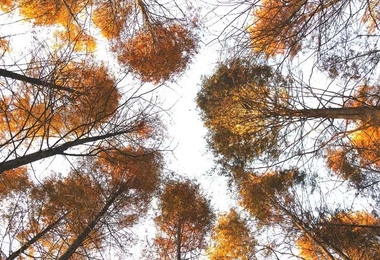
column 60, row 149
column 34, row 239
column 86, row 231
column 26, row 79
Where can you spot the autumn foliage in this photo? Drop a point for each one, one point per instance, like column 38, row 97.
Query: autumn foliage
column 232, row 239
column 111, row 17
column 184, row 220
column 259, row 192
column 355, row 233
column 158, row 53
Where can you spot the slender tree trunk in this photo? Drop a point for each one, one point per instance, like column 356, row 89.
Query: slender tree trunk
column 349, row 113
column 29, row 158
column 86, row 231
column 178, row 241
column 26, row 79
column 34, row 239
column 314, row 237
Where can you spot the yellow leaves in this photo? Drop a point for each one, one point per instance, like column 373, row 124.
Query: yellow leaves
column 77, row 38
column 6, row 5
column 110, row 17
column 39, row 112
column 159, row 53
column 138, row 168
column 339, row 163
column 4, row 45
column 257, row 193
column 366, row 142
column 309, row 250
column 185, row 216
column 64, row 13
column 274, row 30
column 232, row 239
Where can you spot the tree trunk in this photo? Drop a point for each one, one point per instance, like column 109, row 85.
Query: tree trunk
column 34, row 239
column 26, row 79
column 178, row 241
column 314, row 237
column 29, row 158
column 86, row 231
column 350, row 113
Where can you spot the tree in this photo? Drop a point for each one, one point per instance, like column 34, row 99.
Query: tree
column 253, row 112
column 354, row 232
column 232, row 238
column 159, row 52
column 272, row 200
column 184, row 219
column 109, row 194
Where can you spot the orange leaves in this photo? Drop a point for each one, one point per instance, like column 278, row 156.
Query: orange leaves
column 6, row 5
column 258, row 192
column 96, row 98
column 276, row 26
column 138, row 169
column 232, row 239
column 185, row 217
column 44, row 112
column 354, row 233
column 338, row 162
column 372, row 15
column 110, row 17
column 14, row 180
column 159, row 53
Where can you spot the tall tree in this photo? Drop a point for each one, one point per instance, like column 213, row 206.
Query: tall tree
column 253, row 112
column 232, row 238
column 78, row 215
column 272, row 201
column 183, row 222
column 354, row 232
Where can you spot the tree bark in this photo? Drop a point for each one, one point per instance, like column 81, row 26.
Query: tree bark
column 350, row 113
column 29, row 158
column 26, row 79
column 178, row 241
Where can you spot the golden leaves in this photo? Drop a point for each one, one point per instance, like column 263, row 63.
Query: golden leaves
column 110, row 17
column 276, row 26
column 185, row 217
column 232, row 239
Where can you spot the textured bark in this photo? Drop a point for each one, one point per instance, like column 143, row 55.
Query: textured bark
column 370, row 114
column 29, row 158
column 178, row 242
column 26, row 79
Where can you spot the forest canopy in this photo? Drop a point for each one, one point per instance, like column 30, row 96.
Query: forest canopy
column 289, row 98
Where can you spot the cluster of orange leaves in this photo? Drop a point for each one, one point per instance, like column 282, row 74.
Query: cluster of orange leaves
column 158, row 53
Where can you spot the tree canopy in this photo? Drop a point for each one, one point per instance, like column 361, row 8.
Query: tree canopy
column 291, row 107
